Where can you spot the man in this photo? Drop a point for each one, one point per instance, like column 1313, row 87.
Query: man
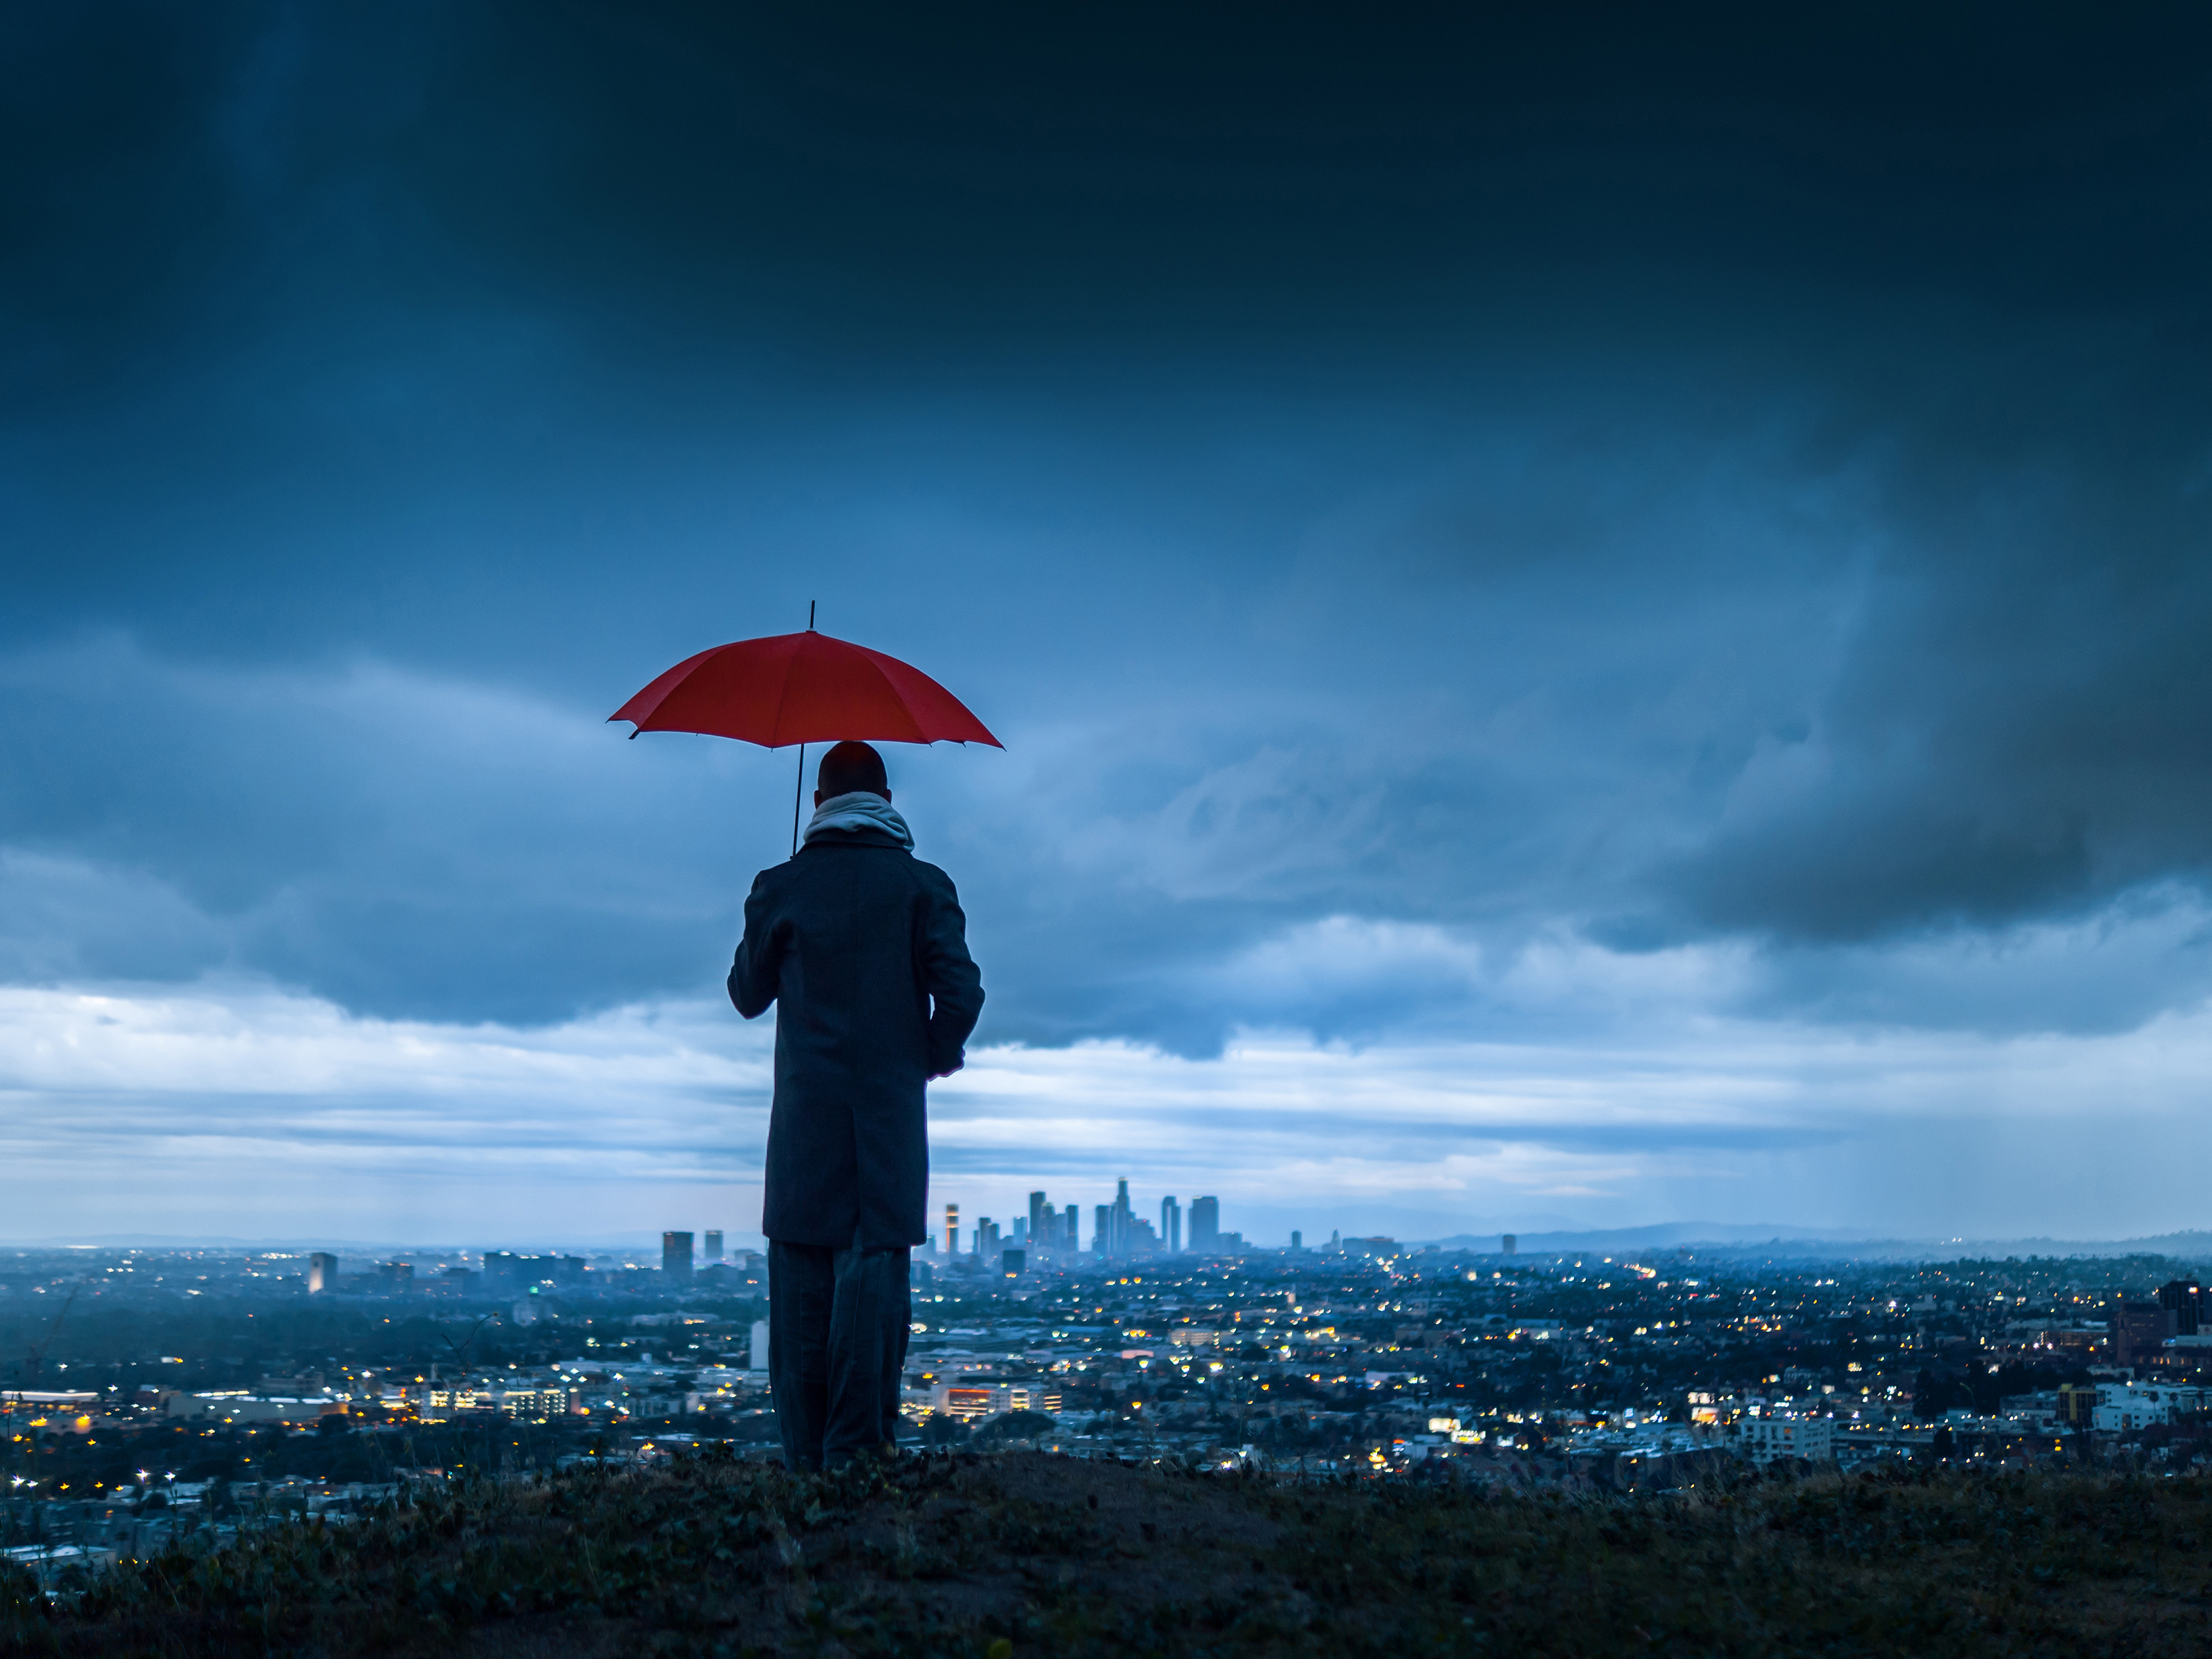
column 864, row 947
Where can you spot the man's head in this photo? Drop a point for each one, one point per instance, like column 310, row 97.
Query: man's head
column 849, row 767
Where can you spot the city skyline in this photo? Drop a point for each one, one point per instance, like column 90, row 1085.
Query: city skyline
column 645, row 1248
column 1117, row 1231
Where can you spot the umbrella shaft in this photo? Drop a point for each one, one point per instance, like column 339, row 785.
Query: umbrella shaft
column 799, row 789
column 797, row 793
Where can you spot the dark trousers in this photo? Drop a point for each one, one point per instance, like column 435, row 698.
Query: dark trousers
column 836, row 1347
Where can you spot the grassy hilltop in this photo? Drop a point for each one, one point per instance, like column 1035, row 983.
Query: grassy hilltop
column 1026, row 1553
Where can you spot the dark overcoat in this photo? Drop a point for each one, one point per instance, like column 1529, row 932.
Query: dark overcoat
column 854, row 940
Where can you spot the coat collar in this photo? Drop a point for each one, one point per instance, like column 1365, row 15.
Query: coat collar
column 868, row 837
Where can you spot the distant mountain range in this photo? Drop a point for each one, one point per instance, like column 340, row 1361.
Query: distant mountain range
column 1750, row 1239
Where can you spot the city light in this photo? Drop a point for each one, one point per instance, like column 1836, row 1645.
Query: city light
column 1352, row 1357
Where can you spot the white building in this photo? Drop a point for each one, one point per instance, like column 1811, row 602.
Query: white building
column 1763, row 1439
column 2123, row 1407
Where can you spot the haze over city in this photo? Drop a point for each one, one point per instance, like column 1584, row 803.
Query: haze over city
column 1557, row 672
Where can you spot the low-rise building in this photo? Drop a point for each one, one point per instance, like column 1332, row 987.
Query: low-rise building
column 238, row 1405
column 1763, row 1439
column 2124, row 1407
column 978, row 1400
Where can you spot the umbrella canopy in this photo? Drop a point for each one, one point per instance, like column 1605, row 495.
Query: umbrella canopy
column 802, row 688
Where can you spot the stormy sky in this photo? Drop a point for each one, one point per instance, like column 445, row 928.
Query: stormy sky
column 1599, row 618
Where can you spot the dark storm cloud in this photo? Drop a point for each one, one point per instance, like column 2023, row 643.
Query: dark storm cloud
column 849, row 180
column 2024, row 722
column 1676, row 477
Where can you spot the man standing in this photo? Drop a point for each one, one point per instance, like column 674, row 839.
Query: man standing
column 856, row 939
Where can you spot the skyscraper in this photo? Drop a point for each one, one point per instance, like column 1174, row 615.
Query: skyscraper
column 1172, row 1225
column 676, row 1254
column 1119, row 1233
column 714, row 1244
column 2182, row 1298
column 1040, row 1220
column 1071, row 1231
column 1102, row 1230
column 951, row 1231
column 1205, row 1224
column 322, row 1273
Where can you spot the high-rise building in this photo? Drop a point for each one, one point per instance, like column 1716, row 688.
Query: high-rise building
column 1205, row 1224
column 1102, row 1229
column 1042, row 1216
column 713, row 1243
column 1172, row 1225
column 1012, row 1260
column 676, row 1254
column 1507, row 1244
column 1071, row 1231
column 322, row 1273
column 1021, row 1239
column 756, row 1356
column 951, row 1231
column 987, row 1238
column 1297, row 1239
column 2138, row 1329
column 2184, row 1300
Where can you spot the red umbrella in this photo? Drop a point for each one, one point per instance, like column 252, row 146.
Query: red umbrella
column 802, row 689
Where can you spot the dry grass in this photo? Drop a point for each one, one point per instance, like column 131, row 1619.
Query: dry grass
column 1030, row 1553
